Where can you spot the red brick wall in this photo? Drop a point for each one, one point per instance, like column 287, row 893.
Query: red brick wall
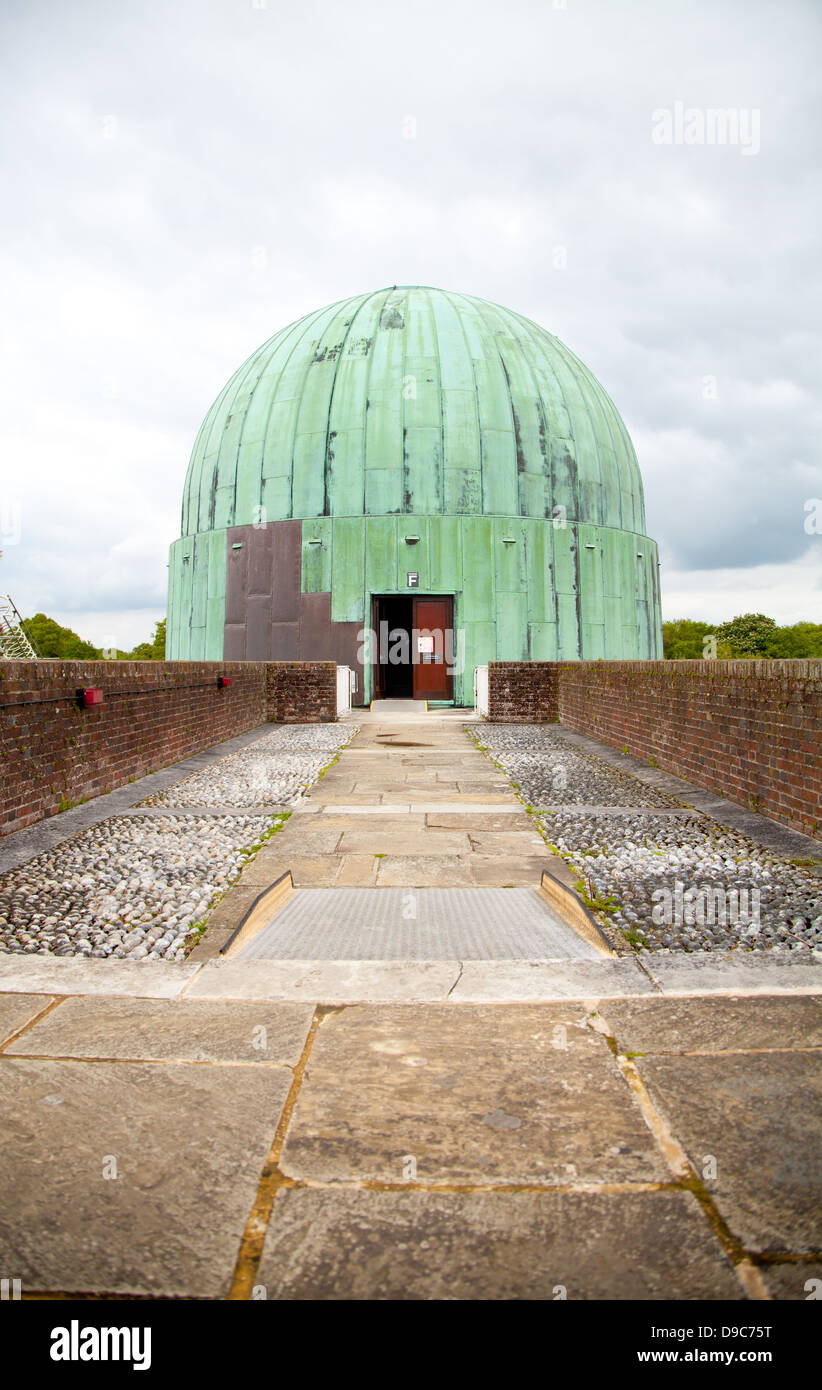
column 301, row 692
column 522, row 690
column 154, row 714
column 748, row 730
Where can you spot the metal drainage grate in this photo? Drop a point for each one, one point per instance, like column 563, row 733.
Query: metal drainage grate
column 417, row 924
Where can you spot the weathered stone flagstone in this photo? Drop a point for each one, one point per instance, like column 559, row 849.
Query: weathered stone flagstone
column 714, row 1024
column 760, row 1117
column 185, row 1030
column 475, row 1095
column 800, row 1280
column 189, row 1144
column 16, row 1010
column 435, row 1245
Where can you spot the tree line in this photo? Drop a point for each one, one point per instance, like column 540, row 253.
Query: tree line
column 750, row 635
column 50, row 639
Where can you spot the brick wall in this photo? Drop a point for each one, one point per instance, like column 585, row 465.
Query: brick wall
column 301, row 692
column 154, row 713
column 749, row 730
column 522, row 690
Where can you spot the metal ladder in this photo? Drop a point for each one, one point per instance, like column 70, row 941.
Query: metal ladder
column 14, row 641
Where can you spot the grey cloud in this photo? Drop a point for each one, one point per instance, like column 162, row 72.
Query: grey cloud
column 137, row 284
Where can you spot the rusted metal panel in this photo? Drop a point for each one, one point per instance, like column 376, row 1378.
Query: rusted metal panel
column 236, row 584
column 284, row 642
column 258, row 627
column 286, row 575
column 234, row 642
column 315, row 627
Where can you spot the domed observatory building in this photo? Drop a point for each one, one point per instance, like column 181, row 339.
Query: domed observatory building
column 413, row 483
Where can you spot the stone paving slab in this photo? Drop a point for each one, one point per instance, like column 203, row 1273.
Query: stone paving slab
column 699, row 1024
column 509, row 871
column 489, row 981
column 24, row 974
column 307, row 870
column 501, row 844
column 490, row 1246
column 189, row 1144
column 438, row 810
column 760, row 1117
column 485, row 819
column 357, row 871
column 16, row 1010
column 373, row 839
column 379, row 818
column 473, row 1094
column 743, row 970
column 327, row 982
column 179, row 1030
column 346, row 797
column 426, row 871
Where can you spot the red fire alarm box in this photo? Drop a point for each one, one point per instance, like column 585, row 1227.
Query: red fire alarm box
column 90, row 696
column 223, row 681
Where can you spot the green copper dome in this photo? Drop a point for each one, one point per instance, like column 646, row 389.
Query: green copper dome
column 408, row 453
column 412, row 400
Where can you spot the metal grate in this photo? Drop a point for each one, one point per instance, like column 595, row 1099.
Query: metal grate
column 417, row 924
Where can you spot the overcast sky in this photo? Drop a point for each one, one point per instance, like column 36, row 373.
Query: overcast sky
column 182, row 178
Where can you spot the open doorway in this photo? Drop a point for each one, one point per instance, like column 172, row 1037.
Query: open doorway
column 414, row 647
column 394, row 625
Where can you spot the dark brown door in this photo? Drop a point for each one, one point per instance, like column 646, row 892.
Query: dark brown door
column 434, row 642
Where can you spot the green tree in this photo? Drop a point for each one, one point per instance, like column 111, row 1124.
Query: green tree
column 53, row 640
column 155, row 650
column 748, row 635
column 797, row 640
column 682, row 640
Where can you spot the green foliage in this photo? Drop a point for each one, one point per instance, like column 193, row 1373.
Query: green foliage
column 682, row 640
column 751, row 635
column 52, row 640
column 748, row 635
column 798, row 640
column 155, row 650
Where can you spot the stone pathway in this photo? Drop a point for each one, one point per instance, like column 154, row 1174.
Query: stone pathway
column 410, row 804
column 644, row 1127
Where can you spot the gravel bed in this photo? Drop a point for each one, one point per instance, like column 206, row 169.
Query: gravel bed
column 130, row 886
column 274, row 770
column 631, row 859
column 667, row 883
column 548, row 771
column 514, row 737
column 562, row 778
column 325, row 737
